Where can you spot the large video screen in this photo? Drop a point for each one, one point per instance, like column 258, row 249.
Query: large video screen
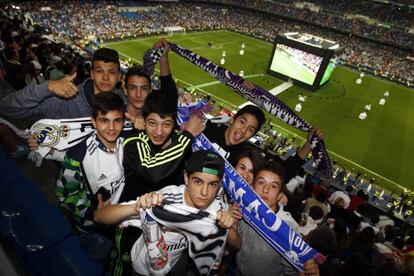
column 296, row 64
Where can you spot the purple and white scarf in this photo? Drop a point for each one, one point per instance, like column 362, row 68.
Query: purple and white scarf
column 253, row 93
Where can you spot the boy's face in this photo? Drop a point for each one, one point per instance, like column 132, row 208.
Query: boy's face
column 109, row 127
column 241, row 129
column 137, row 90
column 105, row 75
column 159, row 129
column 201, row 190
column 245, row 168
column 267, row 185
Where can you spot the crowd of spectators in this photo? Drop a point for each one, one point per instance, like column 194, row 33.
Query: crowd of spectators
column 364, row 18
column 105, row 20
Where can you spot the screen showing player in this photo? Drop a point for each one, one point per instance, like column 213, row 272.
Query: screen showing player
column 295, row 63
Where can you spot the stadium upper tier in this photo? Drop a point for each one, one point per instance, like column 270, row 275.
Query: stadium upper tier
column 72, row 22
column 378, row 21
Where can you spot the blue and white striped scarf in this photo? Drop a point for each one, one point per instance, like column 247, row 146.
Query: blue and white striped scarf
column 255, row 211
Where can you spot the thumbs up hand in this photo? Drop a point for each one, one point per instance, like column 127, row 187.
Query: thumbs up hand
column 63, row 87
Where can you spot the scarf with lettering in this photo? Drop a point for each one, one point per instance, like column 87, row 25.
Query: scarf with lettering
column 255, row 211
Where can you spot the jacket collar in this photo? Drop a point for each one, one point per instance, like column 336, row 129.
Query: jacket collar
column 89, row 91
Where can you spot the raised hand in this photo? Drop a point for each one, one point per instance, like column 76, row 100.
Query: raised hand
column 149, row 200
column 225, row 219
column 63, row 87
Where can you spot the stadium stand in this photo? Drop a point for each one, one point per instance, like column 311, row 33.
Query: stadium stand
column 375, row 48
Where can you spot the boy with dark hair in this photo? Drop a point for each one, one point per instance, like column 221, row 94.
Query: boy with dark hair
column 138, row 84
column 92, row 171
column 61, row 98
column 256, row 256
column 106, row 55
column 233, row 139
column 96, row 162
column 255, row 111
column 154, row 158
column 202, row 185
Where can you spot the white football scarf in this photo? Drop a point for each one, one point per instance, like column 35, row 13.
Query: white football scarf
column 206, row 240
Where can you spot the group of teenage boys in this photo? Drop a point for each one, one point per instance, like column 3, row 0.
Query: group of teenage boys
column 140, row 167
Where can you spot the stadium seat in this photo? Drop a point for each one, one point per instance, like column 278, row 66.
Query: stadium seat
column 36, row 230
column 65, row 258
column 18, row 196
column 8, row 169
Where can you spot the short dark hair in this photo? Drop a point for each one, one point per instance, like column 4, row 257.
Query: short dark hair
column 161, row 103
column 137, row 71
column 323, row 239
column 106, row 55
column 361, row 194
column 276, row 168
column 253, row 154
column 255, row 111
column 316, row 212
column 105, row 102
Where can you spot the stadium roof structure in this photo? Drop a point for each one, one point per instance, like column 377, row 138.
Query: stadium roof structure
column 312, row 40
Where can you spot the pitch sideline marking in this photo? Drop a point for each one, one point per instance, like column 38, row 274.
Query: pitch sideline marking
column 201, row 85
column 154, row 37
column 346, row 159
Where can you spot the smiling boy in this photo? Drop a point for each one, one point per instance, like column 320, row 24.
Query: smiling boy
column 92, row 170
column 57, row 99
column 154, row 157
column 256, row 256
column 96, row 162
column 203, row 182
column 232, row 139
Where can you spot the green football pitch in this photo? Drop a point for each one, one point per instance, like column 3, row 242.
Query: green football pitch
column 380, row 146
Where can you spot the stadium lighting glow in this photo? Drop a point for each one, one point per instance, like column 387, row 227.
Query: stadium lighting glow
column 312, row 40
